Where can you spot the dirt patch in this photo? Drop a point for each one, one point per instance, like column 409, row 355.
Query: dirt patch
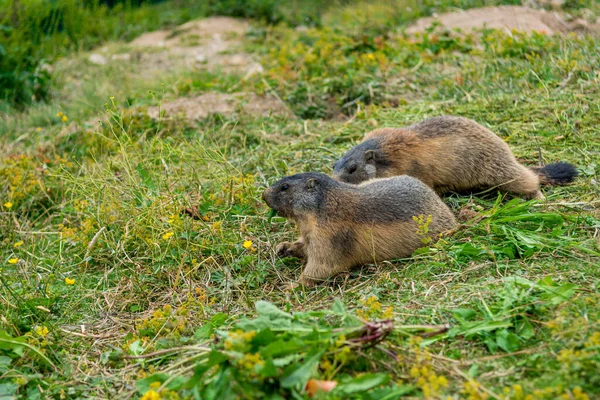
column 201, row 106
column 202, row 44
column 504, row 17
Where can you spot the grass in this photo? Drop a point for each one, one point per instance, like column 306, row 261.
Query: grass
column 109, row 288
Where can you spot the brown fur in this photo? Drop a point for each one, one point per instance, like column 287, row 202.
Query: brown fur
column 454, row 154
column 333, row 240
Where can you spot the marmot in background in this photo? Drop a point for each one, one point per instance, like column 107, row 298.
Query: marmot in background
column 343, row 225
column 448, row 154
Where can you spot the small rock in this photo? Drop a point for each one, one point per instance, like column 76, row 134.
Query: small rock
column 97, row 59
column 124, row 56
column 201, row 58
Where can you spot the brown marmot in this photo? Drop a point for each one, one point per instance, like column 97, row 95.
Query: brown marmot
column 448, row 154
column 343, row 225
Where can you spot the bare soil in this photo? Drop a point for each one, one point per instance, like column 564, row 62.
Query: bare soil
column 505, row 17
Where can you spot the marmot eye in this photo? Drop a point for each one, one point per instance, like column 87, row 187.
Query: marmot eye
column 352, row 169
column 284, row 187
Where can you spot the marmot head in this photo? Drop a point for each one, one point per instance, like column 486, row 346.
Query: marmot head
column 298, row 194
column 360, row 163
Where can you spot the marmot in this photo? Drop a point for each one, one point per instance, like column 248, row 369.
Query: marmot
column 343, row 225
column 448, row 154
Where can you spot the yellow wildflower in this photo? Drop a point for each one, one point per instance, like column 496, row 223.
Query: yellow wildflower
column 155, row 385
column 64, row 118
column 42, row 331
column 8, row 204
column 18, row 244
column 59, row 114
column 151, row 395
column 247, row 244
column 38, row 129
column 167, row 235
column 13, row 260
column 69, row 281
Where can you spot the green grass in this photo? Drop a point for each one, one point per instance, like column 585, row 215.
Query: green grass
column 94, row 232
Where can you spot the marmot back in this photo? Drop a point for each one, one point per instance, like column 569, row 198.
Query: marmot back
column 343, row 225
column 448, row 154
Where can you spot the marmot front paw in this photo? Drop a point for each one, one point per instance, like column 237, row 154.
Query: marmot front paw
column 289, row 249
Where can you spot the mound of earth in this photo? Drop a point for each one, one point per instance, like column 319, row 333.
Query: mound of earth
column 201, row 44
column 520, row 18
column 222, row 103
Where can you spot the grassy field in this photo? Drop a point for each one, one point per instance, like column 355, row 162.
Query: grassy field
column 138, row 258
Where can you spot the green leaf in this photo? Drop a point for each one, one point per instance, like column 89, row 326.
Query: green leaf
column 338, row 307
column 362, row 384
column 301, row 375
column 269, row 310
column 524, row 328
column 218, row 319
column 16, row 345
column 136, row 348
column 215, row 357
column 283, row 347
column 8, row 390
column 143, row 385
column 204, row 332
column 478, row 327
column 559, row 294
column 269, row 370
column 144, row 176
column 507, row 341
column 388, row 393
column 463, row 314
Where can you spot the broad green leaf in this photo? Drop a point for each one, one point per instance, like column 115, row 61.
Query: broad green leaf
column 478, row 327
column 559, row 294
column 464, row 314
column 507, row 341
column 266, row 309
column 136, row 348
column 362, row 384
column 8, row 390
column 16, row 345
column 204, row 332
column 338, row 307
column 524, row 328
column 143, row 385
column 215, row 357
column 218, row 319
column 301, row 375
column 269, row 370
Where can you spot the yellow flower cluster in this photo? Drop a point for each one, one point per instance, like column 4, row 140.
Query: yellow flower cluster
column 372, row 309
column 428, row 381
column 251, row 362
column 166, row 321
column 423, row 223
column 516, row 392
column 238, row 340
column 63, row 117
column 472, row 391
column 151, row 395
column 422, row 372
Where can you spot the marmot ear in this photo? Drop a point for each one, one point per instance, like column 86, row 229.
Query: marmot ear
column 369, row 155
column 311, row 183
